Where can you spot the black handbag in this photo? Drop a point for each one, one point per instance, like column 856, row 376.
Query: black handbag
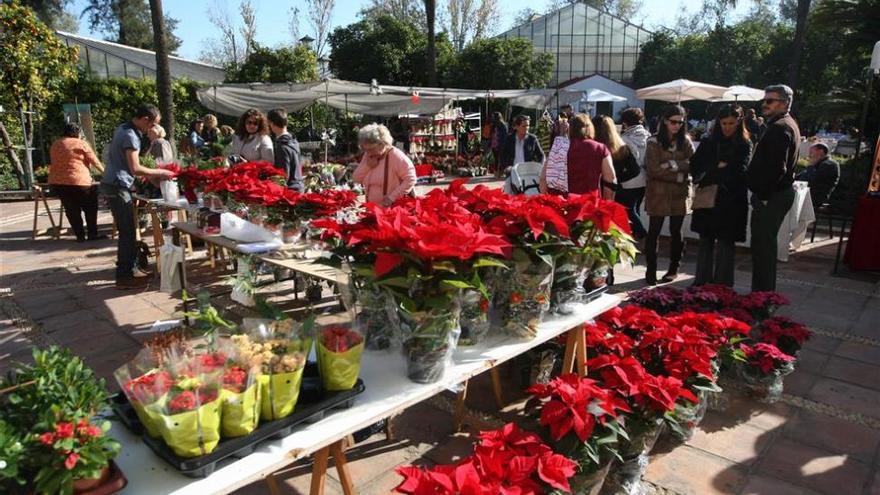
column 627, row 169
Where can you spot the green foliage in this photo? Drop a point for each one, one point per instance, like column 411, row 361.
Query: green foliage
column 389, row 50
column 278, row 65
column 501, row 64
column 36, row 64
column 93, row 450
column 62, row 384
column 129, row 22
column 12, row 452
column 114, row 100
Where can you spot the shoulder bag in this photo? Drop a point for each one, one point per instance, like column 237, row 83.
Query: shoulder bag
column 627, row 169
column 411, row 193
column 704, row 196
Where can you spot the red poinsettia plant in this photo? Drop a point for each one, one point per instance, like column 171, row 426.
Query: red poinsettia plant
column 582, row 418
column 786, row 334
column 507, row 460
column 766, row 359
column 69, row 450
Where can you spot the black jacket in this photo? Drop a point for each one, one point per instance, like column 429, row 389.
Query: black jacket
column 772, row 166
column 728, row 219
column 287, row 158
column 823, row 178
column 532, row 151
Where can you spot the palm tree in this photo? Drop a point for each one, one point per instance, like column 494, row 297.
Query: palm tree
column 163, row 71
column 430, row 16
column 797, row 46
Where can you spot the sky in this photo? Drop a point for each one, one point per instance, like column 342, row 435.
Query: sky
column 194, row 28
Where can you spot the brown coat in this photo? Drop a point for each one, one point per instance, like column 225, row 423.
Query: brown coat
column 668, row 192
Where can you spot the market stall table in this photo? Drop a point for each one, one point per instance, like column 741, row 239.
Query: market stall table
column 388, row 391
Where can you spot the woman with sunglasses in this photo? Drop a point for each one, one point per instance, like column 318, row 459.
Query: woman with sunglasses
column 251, row 141
column 667, row 192
column 721, row 161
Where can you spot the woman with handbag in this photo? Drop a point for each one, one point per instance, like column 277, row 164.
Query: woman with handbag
column 386, row 173
column 721, row 206
column 627, row 168
column 667, row 192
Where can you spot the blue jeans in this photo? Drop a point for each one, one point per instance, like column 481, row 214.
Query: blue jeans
column 631, row 199
column 122, row 207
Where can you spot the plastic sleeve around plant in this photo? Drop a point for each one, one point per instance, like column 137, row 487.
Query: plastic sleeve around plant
column 193, row 433
column 240, row 413
column 279, row 393
column 150, row 416
column 339, row 370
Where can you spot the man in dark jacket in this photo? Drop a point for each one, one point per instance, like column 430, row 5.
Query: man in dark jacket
column 521, row 146
column 286, row 149
column 770, row 177
column 822, row 174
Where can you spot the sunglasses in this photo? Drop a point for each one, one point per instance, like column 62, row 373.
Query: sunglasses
column 676, row 122
column 252, row 122
column 767, row 101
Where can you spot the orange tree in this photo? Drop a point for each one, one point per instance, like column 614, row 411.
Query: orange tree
column 36, row 65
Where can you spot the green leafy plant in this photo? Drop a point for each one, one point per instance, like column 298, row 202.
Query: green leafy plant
column 56, row 380
column 12, row 452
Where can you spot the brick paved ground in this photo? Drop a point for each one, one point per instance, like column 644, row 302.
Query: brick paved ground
column 823, row 437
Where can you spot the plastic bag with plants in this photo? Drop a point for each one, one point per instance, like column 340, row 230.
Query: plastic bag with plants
column 370, row 307
column 529, row 293
column 279, row 348
column 190, row 416
column 475, row 323
column 145, row 381
column 339, row 351
column 240, row 393
column 431, row 338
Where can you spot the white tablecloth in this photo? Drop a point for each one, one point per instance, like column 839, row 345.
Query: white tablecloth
column 791, row 233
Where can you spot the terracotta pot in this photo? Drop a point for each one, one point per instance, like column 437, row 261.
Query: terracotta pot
column 111, row 481
column 88, row 484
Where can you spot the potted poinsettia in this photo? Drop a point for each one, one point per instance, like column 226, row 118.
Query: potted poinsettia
column 764, row 369
column 582, row 422
column 75, row 455
column 786, row 334
column 506, row 460
column 423, row 252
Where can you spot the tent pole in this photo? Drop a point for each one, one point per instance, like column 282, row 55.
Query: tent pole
column 347, row 141
column 326, row 127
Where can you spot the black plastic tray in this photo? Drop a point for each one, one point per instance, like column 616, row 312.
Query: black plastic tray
column 595, row 293
column 311, row 406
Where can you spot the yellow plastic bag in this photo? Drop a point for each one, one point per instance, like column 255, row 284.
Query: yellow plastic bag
column 239, row 413
column 339, row 370
column 150, row 416
column 193, row 433
column 279, row 393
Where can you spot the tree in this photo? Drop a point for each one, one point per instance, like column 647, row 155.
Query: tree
column 163, row 71
column 411, row 11
column 320, row 15
column 389, row 50
column 53, row 14
column 286, row 64
column 36, row 66
column 621, row 8
column 129, row 23
column 797, row 48
column 524, row 16
column 431, row 17
column 470, row 20
column 248, row 25
column 236, row 36
column 293, row 24
column 501, row 64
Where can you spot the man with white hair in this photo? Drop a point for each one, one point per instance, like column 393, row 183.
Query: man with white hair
column 770, row 178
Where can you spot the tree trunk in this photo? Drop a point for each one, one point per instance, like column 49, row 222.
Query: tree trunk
column 121, row 9
column 163, row 72
column 800, row 32
column 12, row 155
column 430, row 15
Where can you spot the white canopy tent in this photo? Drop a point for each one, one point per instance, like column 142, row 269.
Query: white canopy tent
column 234, row 99
column 682, row 90
column 742, row 93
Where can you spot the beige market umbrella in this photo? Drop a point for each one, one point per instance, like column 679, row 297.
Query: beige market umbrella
column 681, row 90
